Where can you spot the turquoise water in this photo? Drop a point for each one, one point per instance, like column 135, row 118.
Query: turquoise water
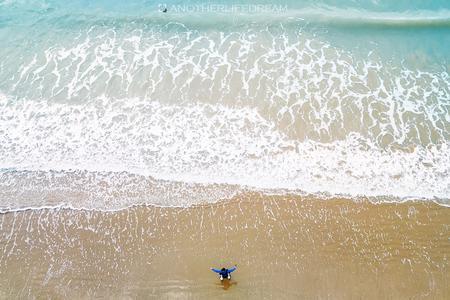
column 335, row 97
column 402, row 27
column 397, row 30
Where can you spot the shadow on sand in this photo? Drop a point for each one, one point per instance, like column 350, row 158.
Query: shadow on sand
column 226, row 284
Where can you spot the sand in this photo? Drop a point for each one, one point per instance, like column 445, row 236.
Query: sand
column 286, row 247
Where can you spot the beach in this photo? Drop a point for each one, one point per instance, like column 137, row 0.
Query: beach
column 285, row 247
column 144, row 143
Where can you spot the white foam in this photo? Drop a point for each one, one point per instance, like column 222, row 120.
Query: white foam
column 206, row 144
column 308, row 88
column 107, row 191
column 264, row 108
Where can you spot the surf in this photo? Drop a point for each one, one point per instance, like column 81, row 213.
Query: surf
column 278, row 101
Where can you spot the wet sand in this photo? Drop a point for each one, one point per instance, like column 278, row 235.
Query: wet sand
column 286, row 247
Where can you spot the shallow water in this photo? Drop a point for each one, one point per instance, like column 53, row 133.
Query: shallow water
column 344, row 98
column 286, row 247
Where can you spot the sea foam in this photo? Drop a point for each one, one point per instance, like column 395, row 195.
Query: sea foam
column 265, row 108
column 202, row 144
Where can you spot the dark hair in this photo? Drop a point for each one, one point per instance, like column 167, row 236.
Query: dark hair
column 223, row 269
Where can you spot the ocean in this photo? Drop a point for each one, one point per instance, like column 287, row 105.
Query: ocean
column 147, row 107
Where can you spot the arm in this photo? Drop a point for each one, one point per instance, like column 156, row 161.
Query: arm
column 232, row 269
column 215, row 270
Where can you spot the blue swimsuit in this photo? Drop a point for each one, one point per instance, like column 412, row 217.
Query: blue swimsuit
column 224, row 273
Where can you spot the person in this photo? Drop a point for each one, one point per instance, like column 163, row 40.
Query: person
column 224, row 273
column 163, row 8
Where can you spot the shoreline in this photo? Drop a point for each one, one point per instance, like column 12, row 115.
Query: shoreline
column 240, row 194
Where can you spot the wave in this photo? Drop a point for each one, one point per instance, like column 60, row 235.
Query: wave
column 307, row 88
column 358, row 18
column 22, row 190
column 209, row 144
column 211, row 15
column 261, row 107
